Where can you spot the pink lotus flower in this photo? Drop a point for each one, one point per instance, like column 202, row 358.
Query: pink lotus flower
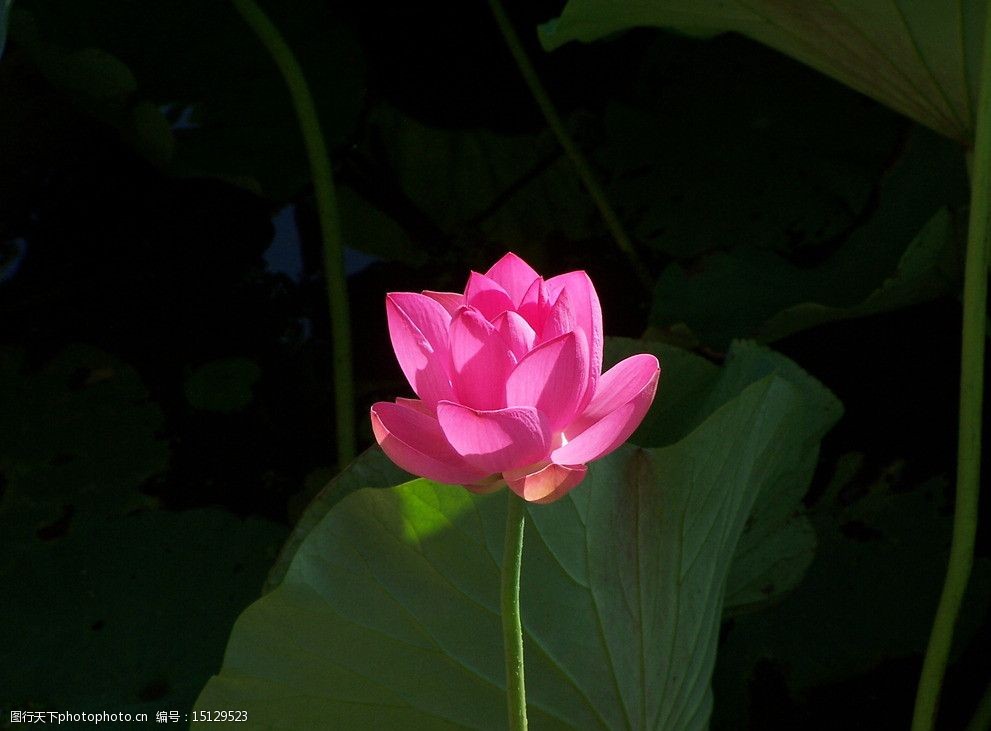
column 510, row 381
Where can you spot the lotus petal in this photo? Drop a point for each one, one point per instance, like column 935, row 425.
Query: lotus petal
column 535, row 305
column 480, row 361
column 494, row 441
column 560, row 319
column 609, row 432
column 450, row 301
column 425, row 368
column 416, row 405
column 516, row 332
column 515, row 276
column 487, row 485
column 487, row 296
column 588, row 316
column 546, row 484
column 427, row 314
column 416, row 443
column 552, row 377
column 617, row 386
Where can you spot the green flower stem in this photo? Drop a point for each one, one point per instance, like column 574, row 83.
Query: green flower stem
column 982, row 717
column 512, row 628
column 971, row 397
column 326, row 201
column 577, row 158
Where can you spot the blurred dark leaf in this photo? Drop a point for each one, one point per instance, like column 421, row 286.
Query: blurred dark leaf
column 926, row 270
column 87, row 552
column 515, row 190
column 110, row 592
column 79, row 431
column 148, row 131
column 37, row 129
column 222, row 385
column 89, row 72
column 203, row 68
column 368, row 228
column 741, row 164
column 4, row 20
column 98, row 82
column 904, row 253
column 869, row 595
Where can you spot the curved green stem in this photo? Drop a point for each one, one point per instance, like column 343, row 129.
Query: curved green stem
column 971, row 398
column 326, row 201
column 577, row 158
column 982, row 716
column 512, row 628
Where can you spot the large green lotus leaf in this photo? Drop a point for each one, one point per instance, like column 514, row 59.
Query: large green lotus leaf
column 388, row 616
column 778, row 542
column 920, row 58
column 371, row 468
column 904, row 253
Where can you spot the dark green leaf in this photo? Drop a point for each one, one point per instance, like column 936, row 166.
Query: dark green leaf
column 925, row 271
column 79, row 431
column 92, row 558
column 222, row 385
column 865, row 611
column 742, row 164
column 478, row 183
column 4, row 20
column 99, row 83
column 203, row 65
column 903, row 254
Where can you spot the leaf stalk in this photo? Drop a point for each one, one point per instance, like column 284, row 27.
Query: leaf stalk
column 971, row 400
column 328, row 215
column 582, row 166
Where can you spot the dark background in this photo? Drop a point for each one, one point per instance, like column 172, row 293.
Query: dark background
column 166, row 408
